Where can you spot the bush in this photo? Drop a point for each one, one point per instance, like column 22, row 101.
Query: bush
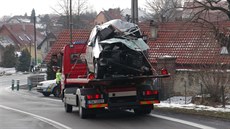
column 24, row 61
column 9, row 58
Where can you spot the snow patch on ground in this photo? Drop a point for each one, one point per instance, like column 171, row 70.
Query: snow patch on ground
column 179, row 102
column 7, row 71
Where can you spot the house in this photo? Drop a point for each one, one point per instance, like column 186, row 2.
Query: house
column 190, row 43
column 79, row 35
column 19, row 19
column 188, row 47
column 141, row 14
column 21, row 36
column 108, row 15
column 47, row 44
column 1, row 52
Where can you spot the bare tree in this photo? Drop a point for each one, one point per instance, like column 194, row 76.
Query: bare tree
column 216, row 79
column 210, row 15
column 63, row 9
column 163, row 10
column 81, row 6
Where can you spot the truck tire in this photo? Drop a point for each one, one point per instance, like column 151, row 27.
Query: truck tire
column 56, row 92
column 46, row 94
column 68, row 108
column 82, row 111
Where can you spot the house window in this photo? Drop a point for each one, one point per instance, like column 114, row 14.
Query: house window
column 224, row 51
column 20, row 38
column 51, row 43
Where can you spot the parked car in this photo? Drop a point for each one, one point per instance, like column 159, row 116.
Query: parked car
column 117, row 48
column 48, row 87
column 39, row 68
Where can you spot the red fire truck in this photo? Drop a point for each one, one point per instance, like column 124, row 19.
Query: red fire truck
column 91, row 95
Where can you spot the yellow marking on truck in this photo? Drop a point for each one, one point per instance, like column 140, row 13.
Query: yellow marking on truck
column 98, row 105
column 146, row 102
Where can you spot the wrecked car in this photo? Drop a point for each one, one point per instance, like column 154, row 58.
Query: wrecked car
column 116, row 49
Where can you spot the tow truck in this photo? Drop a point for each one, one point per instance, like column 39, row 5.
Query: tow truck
column 91, row 95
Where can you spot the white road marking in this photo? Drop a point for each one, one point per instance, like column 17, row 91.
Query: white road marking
column 46, row 120
column 183, row 122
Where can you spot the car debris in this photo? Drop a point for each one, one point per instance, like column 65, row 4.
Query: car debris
column 117, row 48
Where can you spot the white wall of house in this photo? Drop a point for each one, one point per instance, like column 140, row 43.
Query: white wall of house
column 46, row 46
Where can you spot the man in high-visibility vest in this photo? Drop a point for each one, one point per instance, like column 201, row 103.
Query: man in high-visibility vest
column 58, row 76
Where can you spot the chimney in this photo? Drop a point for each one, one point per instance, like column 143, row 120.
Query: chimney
column 134, row 11
column 153, row 29
column 23, row 27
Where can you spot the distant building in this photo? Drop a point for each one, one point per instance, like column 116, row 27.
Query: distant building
column 107, row 15
column 21, row 35
column 19, row 19
column 141, row 14
column 47, row 44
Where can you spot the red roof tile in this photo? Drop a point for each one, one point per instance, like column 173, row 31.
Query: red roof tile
column 189, row 43
column 24, row 33
column 64, row 38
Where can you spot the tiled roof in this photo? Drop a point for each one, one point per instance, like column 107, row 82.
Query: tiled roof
column 23, row 33
column 79, row 35
column 189, row 43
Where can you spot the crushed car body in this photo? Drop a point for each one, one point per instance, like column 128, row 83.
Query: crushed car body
column 115, row 49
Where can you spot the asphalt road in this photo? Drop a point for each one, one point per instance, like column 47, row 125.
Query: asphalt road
column 25, row 109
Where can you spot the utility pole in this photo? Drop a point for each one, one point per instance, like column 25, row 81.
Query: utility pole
column 71, row 23
column 35, row 40
column 134, row 11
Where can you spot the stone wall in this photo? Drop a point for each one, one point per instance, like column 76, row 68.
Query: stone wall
column 166, row 84
column 182, row 81
column 187, row 82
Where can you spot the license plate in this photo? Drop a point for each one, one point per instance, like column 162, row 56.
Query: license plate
column 96, row 101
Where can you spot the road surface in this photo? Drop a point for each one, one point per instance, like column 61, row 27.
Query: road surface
column 25, row 109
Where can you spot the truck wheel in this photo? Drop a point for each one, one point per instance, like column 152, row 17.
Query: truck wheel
column 82, row 111
column 98, row 71
column 68, row 108
column 56, row 92
column 46, row 94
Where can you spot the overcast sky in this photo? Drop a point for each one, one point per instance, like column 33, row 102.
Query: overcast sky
column 20, row 7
